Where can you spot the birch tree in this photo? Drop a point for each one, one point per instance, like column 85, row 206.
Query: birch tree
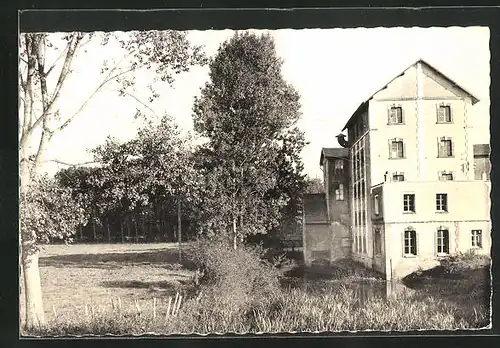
column 46, row 63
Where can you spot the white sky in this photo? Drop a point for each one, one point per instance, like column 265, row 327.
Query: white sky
column 334, row 70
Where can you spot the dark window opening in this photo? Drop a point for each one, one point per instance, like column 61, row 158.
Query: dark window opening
column 410, row 242
column 444, row 114
column 441, row 202
column 443, row 241
column 396, row 115
column 409, row 203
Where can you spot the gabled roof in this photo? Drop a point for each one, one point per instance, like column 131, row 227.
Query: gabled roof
column 333, row 152
column 436, row 71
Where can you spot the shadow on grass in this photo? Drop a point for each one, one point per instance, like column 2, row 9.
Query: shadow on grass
column 167, row 258
column 135, row 284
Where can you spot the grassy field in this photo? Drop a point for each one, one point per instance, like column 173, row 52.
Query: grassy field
column 100, row 275
column 126, row 288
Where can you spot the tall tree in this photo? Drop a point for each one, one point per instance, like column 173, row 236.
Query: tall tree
column 46, row 61
column 248, row 113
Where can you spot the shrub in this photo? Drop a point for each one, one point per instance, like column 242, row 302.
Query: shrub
column 461, row 262
column 232, row 283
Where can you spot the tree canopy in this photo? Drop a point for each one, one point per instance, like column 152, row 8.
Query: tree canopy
column 251, row 162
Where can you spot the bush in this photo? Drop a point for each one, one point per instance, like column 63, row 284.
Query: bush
column 462, row 262
column 233, row 282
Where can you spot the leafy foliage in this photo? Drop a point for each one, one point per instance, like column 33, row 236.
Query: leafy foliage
column 314, row 185
column 50, row 211
column 250, row 163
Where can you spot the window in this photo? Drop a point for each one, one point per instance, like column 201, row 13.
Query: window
column 477, row 238
column 397, row 149
column 444, row 114
column 409, row 203
column 443, row 241
column 445, row 147
column 377, row 241
column 376, row 205
column 398, row 177
column 339, row 192
column 442, row 202
column 395, row 115
column 410, row 242
column 339, row 164
column 445, row 176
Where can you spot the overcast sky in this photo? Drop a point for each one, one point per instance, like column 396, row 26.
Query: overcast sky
column 334, row 70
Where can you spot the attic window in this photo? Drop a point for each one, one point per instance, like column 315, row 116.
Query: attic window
column 444, row 114
column 395, row 115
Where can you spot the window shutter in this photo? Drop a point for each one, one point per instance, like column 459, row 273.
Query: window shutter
column 452, row 147
column 438, row 148
column 404, row 148
column 435, row 242
column 389, row 110
column 437, row 113
column 402, row 115
column 446, row 241
column 415, row 242
column 390, row 148
column 403, row 243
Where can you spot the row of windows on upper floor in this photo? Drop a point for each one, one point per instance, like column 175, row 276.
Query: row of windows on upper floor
column 442, row 238
column 409, row 203
column 397, row 148
column 396, row 115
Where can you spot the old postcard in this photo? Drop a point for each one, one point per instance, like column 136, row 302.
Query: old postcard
column 254, row 181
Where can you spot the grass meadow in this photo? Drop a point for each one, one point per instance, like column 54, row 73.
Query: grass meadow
column 138, row 289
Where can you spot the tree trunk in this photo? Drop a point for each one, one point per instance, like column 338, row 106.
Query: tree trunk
column 34, row 313
column 109, row 233
column 179, row 228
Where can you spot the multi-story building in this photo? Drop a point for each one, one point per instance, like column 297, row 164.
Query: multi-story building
column 414, row 194
column 418, row 187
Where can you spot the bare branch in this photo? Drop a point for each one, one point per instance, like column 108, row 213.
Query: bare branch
column 68, row 121
column 28, row 86
column 55, row 62
column 139, row 101
column 72, row 44
column 71, row 164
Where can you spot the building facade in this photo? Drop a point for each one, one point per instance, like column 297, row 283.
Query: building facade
column 326, row 233
column 418, row 188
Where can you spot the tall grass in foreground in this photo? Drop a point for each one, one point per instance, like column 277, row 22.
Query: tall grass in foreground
column 240, row 293
column 292, row 310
